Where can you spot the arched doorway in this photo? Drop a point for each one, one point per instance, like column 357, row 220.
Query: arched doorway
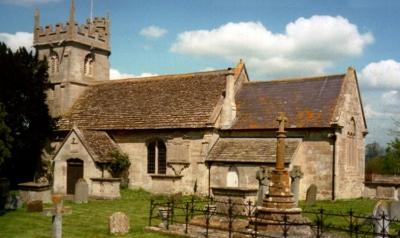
column 74, row 172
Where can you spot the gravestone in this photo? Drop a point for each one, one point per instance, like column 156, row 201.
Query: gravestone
column 262, row 177
column 13, row 202
column 295, row 175
column 311, row 195
column 118, row 223
column 81, row 191
column 394, row 210
column 35, row 206
column 381, row 217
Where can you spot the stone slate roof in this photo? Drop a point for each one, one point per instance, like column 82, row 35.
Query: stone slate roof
column 170, row 101
column 250, row 150
column 98, row 144
column 307, row 102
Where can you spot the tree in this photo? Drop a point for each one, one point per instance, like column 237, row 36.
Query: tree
column 373, row 150
column 22, row 92
column 5, row 137
column 396, row 130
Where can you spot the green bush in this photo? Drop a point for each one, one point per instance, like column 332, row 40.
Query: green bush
column 120, row 164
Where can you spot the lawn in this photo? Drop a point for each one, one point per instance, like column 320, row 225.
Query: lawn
column 87, row 220
column 91, row 220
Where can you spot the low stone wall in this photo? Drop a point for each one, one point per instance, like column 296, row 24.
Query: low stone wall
column 379, row 186
column 105, row 188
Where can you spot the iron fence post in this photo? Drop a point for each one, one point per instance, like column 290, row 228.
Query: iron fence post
column 255, row 225
column 168, row 214
column 151, row 211
column 230, row 214
column 172, row 210
column 192, row 207
column 351, row 222
column 207, row 218
column 186, row 217
column 285, row 230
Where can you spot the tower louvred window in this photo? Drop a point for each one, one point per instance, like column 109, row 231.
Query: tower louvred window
column 89, row 65
column 53, row 63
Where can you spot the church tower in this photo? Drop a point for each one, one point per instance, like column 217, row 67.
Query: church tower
column 77, row 56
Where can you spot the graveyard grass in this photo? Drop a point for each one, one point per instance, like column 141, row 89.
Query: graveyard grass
column 86, row 220
column 91, row 220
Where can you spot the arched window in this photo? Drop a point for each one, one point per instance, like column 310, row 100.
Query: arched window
column 352, row 143
column 53, row 64
column 232, row 177
column 89, row 65
column 156, row 157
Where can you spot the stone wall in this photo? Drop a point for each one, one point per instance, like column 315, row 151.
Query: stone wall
column 350, row 160
column 185, row 161
column 315, row 160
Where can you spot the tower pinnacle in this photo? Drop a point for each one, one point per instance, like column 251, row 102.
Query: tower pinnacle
column 37, row 18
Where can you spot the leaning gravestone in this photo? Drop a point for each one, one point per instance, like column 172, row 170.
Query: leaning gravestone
column 81, row 191
column 118, row 223
column 311, row 195
column 35, row 206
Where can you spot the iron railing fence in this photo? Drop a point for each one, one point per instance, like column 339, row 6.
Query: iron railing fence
column 232, row 215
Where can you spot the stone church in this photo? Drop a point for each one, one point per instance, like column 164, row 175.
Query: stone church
column 204, row 131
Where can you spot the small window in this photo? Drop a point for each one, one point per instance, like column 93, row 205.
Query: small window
column 156, row 157
column 232, row 177
column 89, row 65
column 53, row 64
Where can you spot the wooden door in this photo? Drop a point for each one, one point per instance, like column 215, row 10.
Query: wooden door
column 74, row 172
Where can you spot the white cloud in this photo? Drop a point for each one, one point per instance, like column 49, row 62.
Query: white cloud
column 391, row 98
column 309, row 45
column 28, row 2
column 115, row 74
column 370, row 112
column 153, row 32
column 19, row 39
column 384, row 74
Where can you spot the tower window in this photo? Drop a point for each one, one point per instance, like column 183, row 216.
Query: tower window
column 53, row 67
column 89, row 65
column 156, row 157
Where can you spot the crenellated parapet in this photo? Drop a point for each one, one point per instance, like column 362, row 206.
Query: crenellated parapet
column 94, row 33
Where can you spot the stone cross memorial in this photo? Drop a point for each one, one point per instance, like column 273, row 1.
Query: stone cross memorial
column 56, row 213
column 279, row 201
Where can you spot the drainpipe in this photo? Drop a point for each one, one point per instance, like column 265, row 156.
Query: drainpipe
column 209, row 179
column 336, row 130
column 334, row 137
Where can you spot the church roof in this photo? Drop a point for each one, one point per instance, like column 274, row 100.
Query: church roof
column 250, row 150
column 169, row 101
column 306, row 102
column 99, row 145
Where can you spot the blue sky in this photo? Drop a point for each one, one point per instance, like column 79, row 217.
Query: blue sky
column 276, row 39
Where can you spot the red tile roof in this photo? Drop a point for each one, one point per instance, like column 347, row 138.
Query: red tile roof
column 307, row 102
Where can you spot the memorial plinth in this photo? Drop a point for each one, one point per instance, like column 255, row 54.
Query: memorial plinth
column 279, row 204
